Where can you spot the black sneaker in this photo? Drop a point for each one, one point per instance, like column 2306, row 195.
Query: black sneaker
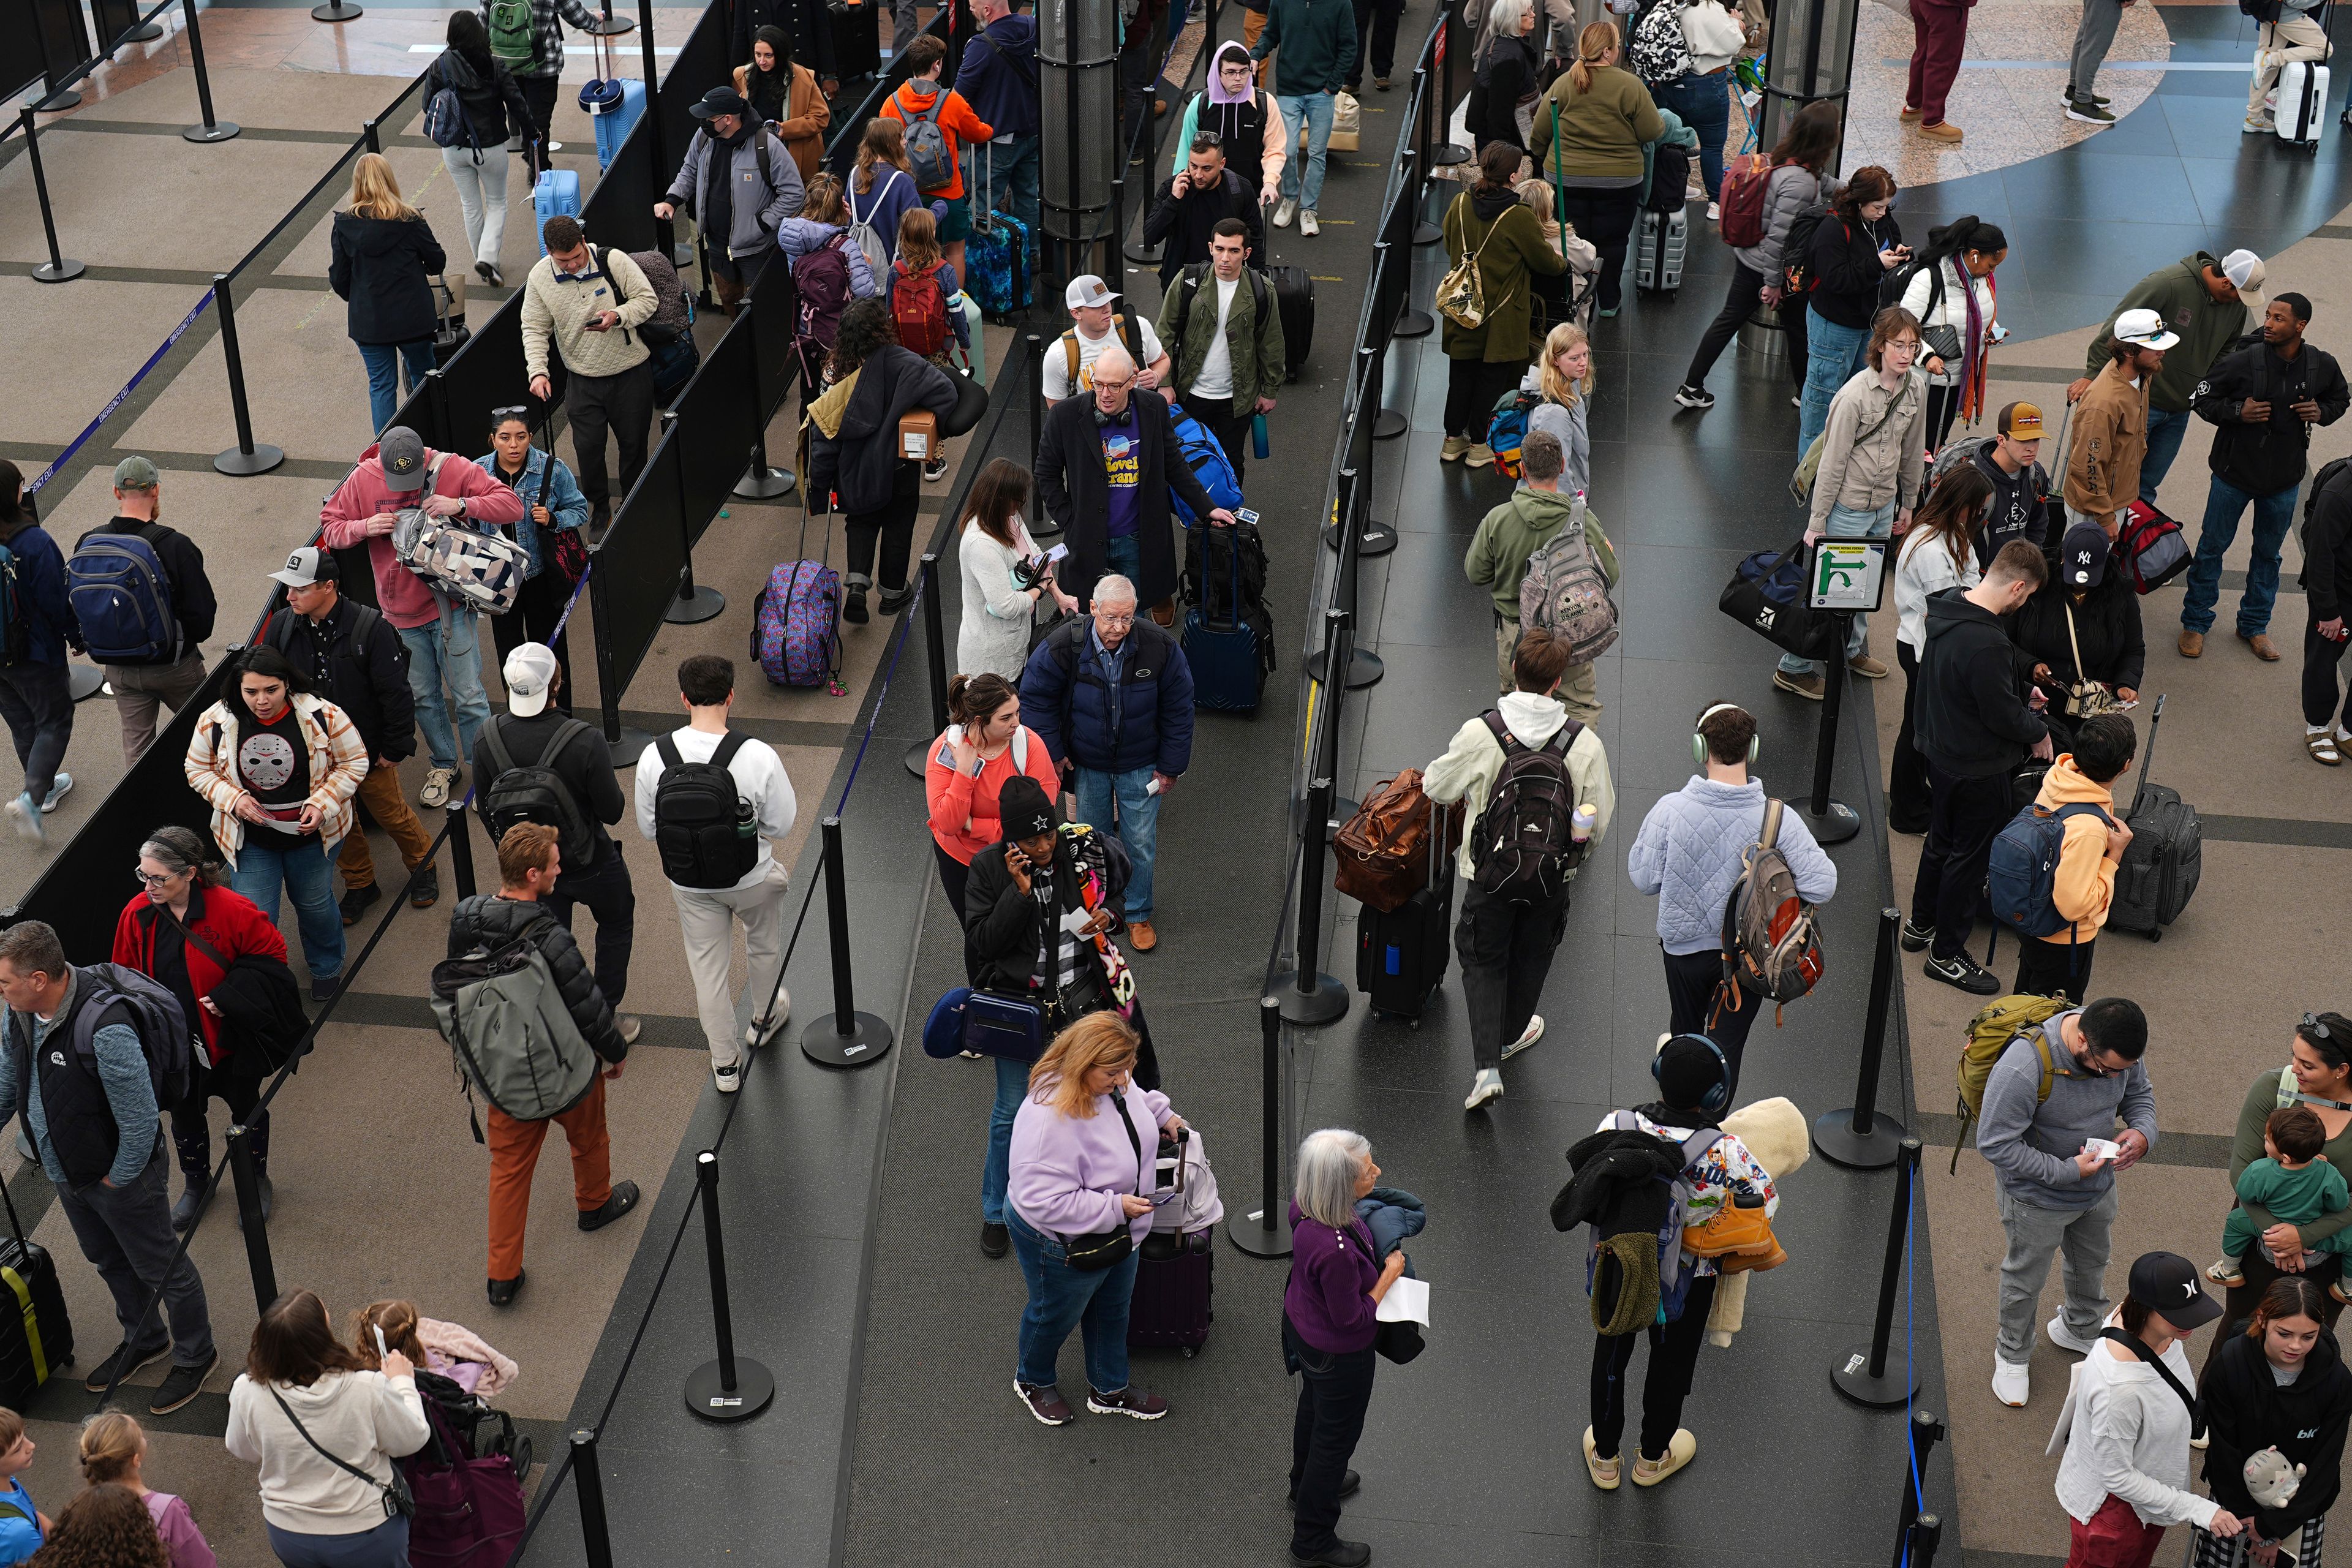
column 425, row 889
column 117, row 1367
column 2090, row 111
column 1694, row 397
column 894, row 600
column 994, row 1239
column 356, row 901
column 624, row 1199
column 1966, row 973
column 2070, row 95
column 935, row 470
column 504, row 1291
column 1916, row 937
column 181, row 1384
column 1338, row 1554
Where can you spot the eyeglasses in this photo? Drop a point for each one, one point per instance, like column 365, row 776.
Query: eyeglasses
column 152, row 879
column 1102, row 386
column 1103, row 620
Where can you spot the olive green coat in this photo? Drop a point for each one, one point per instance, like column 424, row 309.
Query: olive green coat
column 1517, row 249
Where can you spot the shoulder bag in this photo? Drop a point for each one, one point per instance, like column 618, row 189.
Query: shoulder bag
column 399, row 1502
column 1108, row 1248
column 2195, row 1411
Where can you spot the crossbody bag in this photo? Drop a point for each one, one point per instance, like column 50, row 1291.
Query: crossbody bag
column 2196, row 1412
column 1108, row 1248
column 399, row 1502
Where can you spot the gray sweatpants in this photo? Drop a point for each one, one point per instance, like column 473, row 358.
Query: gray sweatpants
column 2093, row 38
column 2034, row 1234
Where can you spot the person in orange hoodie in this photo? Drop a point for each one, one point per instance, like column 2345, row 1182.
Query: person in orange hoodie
column 2085, row 888
column 922, row 98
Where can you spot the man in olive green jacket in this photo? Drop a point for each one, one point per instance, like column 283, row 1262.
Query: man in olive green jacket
column 1224, row 336
column 1507, row 541
column 2209, row 303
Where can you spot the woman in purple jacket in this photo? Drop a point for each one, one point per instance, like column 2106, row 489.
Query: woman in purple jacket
column 1328, row 1322
column 1081, row 1169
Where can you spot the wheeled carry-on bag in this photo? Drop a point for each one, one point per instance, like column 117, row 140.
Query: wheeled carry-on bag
column 1401, row 956
column 1658, row 253
column 2299, row 101
column 1175, row 1271
column 557, row 190
column 2160, row 868
column 613, row 103
column 1294, row 297
column 36, row 1335
column 1230, row 654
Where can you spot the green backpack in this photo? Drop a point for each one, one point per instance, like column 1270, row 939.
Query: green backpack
column 504, row 1018
column 514, row 35
column 1990, row 1033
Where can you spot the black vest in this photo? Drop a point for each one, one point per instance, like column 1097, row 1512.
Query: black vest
column 1241, row 128
column 81, row 1123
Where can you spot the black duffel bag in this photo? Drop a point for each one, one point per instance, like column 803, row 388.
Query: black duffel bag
column 1767, row 595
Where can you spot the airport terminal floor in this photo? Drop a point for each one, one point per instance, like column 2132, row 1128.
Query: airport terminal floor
column 847, row 1198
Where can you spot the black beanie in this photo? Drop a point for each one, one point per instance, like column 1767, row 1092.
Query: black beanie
column 1688, row 1067
column 1025, row 808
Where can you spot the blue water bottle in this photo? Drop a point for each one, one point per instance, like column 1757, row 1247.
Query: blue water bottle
column 1257, row 437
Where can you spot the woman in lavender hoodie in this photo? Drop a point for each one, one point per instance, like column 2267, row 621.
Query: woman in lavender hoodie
column 1081, row 1167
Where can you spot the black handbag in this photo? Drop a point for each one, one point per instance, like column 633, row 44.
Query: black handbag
column 399, row 1502
column 1399, row 1342
column 1104, row 1249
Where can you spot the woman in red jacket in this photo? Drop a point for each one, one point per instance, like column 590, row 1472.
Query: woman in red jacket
column 983, row 745
column 183, row 931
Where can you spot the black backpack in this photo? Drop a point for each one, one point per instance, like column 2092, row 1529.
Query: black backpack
column 153, row 1015
column 1669, row 178
column 708, row 834
column 1797, row 251
column 1521, row 851
column 537, row 794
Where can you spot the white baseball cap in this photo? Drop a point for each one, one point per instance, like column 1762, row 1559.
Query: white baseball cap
column 1087, row 292
column 2144, row 327
column 306, row 565
column 531, row 672
column 2245, row 270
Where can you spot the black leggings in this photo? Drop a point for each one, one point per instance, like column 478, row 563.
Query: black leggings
column 1472, row 387
column 537, row 609
column 192, row 1131
column 1739, row 302
column 894, row 526
column 1907, row 781
column 2320, row 694
column 1605, row 217
column 1673, row 1357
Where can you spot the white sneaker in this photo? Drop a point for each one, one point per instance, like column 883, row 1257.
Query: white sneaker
column 56, row 793
column 1527, row 1036
column 2010, row 1381
column 25, row 818
column 629, row 1026
column 1284, row 212
column 2064, row 1337
column 1715, row 212
column 1489, row 1085
column 1306, row 224
column 435, row 792
column 729, row 1078
column 760, row 1029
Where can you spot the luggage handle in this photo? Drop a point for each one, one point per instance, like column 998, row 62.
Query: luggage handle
column 16, row 1226
column 2146, row 758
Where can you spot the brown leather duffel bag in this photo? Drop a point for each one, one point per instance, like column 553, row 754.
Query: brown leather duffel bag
column 1382, row 852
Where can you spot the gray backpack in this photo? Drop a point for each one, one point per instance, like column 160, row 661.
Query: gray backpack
column 926, row 147
column 514, row 1040
column 1566, row 593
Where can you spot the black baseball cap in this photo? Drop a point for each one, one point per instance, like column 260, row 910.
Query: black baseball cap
column 2166, row 1284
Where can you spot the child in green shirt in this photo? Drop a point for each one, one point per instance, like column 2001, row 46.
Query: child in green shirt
column 2296, row 1184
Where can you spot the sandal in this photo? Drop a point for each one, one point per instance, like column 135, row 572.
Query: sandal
column 2323, row 748
column 1604, row 1471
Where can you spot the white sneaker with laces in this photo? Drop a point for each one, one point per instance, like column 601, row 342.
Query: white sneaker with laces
column 1527, row 1036
column 1486, row 1086
column 759, row 1028
column 1715, row 212
column 729, row 1078
column 1307, row 225
column 1285, row 212
column 2011, row 1380
column 2064, row 1337
column 56, row 793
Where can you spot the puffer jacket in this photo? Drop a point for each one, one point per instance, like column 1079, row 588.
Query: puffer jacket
column 494, row 105
column 491, row 922
column 1688, row 853
column 1146, row 722
column 854, row 427
column 796, row 236
column 339, row 761
column 1792, row 189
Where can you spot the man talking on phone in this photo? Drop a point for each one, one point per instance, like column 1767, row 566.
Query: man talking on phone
column 590, row 303
column 1196, row 199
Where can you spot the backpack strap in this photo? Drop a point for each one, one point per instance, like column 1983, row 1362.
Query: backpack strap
column 728, row 744
column 1770, row 835
column 2196, row 1412
column 666, row 748
column 1070, row 357
column 501, row 759
column 1493, row 719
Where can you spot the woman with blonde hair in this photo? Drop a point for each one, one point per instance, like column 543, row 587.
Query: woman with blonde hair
column 882, row 191
column 114, row 1453
column 1604, row 116
column 380, row 256
column 1561, row 379
column 1079, row 1201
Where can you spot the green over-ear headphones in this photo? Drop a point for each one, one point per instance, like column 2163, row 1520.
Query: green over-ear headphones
column 1698, row 741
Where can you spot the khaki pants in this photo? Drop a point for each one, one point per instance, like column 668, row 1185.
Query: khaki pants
column 140, row 688
column 2294, row 37
column 380, row 793
column 706, row 918
column 1252, row 23
column 1579, row 692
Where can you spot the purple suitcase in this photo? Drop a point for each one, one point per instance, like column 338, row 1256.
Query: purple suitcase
column 1175, row 1278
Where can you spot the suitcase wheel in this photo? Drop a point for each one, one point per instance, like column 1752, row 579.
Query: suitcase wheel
column 2156, row 933
column 1191, row 1350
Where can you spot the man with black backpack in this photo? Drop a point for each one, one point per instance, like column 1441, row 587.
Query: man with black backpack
column 91, row 1103
column 36, row 688
column 1541, row 797
column 740, row 184
column 143, row 604
column 712, row 799
column 1228, row 352
column 541, row 765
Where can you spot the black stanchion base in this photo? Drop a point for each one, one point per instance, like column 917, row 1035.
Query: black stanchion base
column 1426, row 233
column 58, row 103
column 336, row 11
column 630, row 746
column 1377, row 539
column 919, row 758
column 764, row 484
column 1045, row 528
column 84, row 680
column 64, row 271
column 1258, row 1239
column 704, row 603
column 146, row 34
column 1413, row 323
column 1364, row 669
column 1835, row 826
column 240, row 464
column 218, row 131
column 1389, row 423
column 1446, row 154
column 610, row 26
column 1876, row 1150
column 1852, row 1378
column 1143, row 255
column 826, row 1045
column 754, row 1391
column 1326, row 1004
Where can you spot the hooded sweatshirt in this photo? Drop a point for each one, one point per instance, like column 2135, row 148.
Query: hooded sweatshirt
column 1254, row 136
column 400, row 593
column 1508, row 537
column 1689, row 851
column 2248, row 1409
column 1467, row 770
column 1971, row 718
column 363, row 1419
column 2031, row 1147
column 2086, row 881
column 2207, row 327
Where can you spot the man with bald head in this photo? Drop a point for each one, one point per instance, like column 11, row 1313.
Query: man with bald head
column 1105, row 465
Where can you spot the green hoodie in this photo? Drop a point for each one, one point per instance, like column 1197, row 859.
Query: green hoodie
column 1317, row 43
column 2207, row 328
column 1514, row 531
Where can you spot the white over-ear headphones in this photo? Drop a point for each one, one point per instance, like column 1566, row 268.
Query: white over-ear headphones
column 1698, row 740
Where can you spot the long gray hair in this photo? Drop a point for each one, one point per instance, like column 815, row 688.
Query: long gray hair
column 180, row 850
column 1329, row 1164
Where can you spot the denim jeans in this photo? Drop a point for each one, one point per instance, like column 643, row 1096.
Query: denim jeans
column 1845, row 523
column 2274, row 515
column 1123, row 554
column 1012, row 1083
column 1316, row 109
column 456, row 660
column 1009, row 170
column 1833, row 354
column 1138, row 825
column 309, row 877
column 2164, row 433
column 383, row 385
column 1703, row 102
column 1061, row 1299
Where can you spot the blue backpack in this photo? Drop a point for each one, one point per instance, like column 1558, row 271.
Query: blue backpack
column 2022, row 876
column 447, row 123
column 122, row 600
column 1208, row 462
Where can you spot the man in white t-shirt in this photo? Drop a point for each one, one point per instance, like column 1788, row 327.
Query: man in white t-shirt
column 1229, row 351
column 707, row 915
column 1070, row 364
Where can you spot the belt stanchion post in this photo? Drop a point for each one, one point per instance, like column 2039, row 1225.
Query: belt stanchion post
column 695, row 603
column 461, row 849
column 1371, row 538
column 1388, row 424
column 1412, row 320
column 1926, row 1433
column 1338, row 648
column 211, row 129
column 1858, row 1137
column 56, row 268
column 588, row 1480
column 1363, row 668
column 761, row 482
column 845, row 1037
column 1033, row 346
column 1926, row 1533
column 733, row 1388
column 1424, row 231
column 248, row 1217
column 1305, row 995
column 1446, row 151
column 1832, row 821
column 935, row 650
column 244, row 459
column 336, row 11
column 371, row 133
column 626, row 741
column 1864, row 1376
column 1266, row 1234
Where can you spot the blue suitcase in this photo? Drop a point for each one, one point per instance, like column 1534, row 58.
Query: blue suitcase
column 614, row 105
column 557, row 190
column 1228, row 657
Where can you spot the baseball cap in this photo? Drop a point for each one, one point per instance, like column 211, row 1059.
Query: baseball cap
column 402, row 453
column 306, row 565
column 2083, row 555
column 2020, row 422
column 2244, row 268
column 1086, row 292
column 2144, row 327
column 719, row 100
column 2166, row 1284
column 531, row 679
column 136, row 473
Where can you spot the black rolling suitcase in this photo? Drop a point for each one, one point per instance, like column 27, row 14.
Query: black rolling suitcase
column 36, row 1335
column 2161, row 868
column 1293, row 297
column 1401, row 956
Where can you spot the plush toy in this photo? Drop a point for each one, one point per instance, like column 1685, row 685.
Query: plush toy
column 2270, row 1480
column 1775, row 1132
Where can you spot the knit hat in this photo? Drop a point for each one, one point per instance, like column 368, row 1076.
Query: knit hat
column 1024, row 808
column 1688, row 1067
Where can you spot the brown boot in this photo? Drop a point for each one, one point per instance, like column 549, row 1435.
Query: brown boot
column 1942, row 130
column 2191, row 643
column 2264, row 650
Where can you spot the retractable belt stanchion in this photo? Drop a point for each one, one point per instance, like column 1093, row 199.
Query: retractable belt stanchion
column 244, row 459
column 1864, row 1376
column 461, row 848
column 733, row 1388
column 760, row 481
column 1412, row 322
column 845, row 1037
column 1306, row 995
column 935, row 652
column 248, row 1217
column 1266, row 1234
column 1832, row 821
column 336, row 11
column 1388, row 424
column 56, row 268
column 696, row 602
column 588, row 1479
column 1446, row 151
column 1916, row 1532
column 1858, row 1137
column 211, row 129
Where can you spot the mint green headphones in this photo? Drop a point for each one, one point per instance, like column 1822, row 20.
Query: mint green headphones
column 1698, row 741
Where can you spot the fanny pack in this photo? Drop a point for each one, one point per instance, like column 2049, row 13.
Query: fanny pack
column 1108, row 1248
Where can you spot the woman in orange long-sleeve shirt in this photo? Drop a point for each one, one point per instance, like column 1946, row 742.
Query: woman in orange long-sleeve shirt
column 984, row 744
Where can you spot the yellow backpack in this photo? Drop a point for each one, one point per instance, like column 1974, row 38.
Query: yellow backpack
column 1990, row 1033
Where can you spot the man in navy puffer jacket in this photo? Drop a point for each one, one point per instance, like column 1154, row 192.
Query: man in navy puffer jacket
column 1111, row 697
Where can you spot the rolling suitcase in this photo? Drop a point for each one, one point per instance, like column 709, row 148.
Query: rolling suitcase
column 1402, row 955
column 36, row 1335
column 1176, row 1266
column 1229, row 654
column 556, row 191
column 614, row 104
column 1658, row 251
column 1293, row 297
column 2161, row 868
column 2300, row 107
column 996, row 256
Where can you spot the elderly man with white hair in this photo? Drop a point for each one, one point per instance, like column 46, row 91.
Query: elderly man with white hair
column 1110, row 695
column 1105, row 466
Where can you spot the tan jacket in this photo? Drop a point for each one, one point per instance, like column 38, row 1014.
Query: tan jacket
column 562, row 309
column 2107, row 443
column 339, row 761
column 1863, row 476
column 806, row 115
